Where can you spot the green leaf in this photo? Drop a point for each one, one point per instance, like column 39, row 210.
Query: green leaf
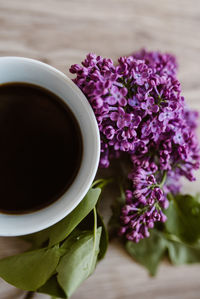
column 52, row 288
column 184, row 218
column 79, row 262
column 148, row 251
column 180, row 253
column 59, row 231
column 104, row 237
column 74, row 237
column 30, row 270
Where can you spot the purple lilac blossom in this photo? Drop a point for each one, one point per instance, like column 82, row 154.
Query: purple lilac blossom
column 140, row 110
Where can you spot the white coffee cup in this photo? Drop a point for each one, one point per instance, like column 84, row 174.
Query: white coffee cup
column 19, row 69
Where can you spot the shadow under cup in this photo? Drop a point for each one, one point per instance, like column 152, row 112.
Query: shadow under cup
column 28, row 72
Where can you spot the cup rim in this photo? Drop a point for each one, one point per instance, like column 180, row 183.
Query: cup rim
column 22, row 224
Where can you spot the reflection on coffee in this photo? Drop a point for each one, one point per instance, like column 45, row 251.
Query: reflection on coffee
column 40, row 148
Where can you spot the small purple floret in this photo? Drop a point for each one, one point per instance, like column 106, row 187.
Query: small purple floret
column 140, row 110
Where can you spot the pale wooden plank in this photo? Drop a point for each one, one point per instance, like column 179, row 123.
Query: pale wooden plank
column 61, row 33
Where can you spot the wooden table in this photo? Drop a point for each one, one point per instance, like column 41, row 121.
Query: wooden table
column 61, row 33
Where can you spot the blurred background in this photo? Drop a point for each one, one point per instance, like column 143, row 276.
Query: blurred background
column 61, row 33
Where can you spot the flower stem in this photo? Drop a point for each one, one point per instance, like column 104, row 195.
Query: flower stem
column 94, row 236
column 163, row 179
column 95, row 183
column 101, row 183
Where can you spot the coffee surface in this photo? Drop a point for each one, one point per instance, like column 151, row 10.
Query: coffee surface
column 40, row 148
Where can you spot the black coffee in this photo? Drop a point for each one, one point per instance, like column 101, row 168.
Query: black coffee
column 40, row 148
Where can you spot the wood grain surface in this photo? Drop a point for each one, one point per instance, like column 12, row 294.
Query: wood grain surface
column 61, row 32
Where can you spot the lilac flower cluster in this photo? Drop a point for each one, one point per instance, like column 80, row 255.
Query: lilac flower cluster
column 140, row 110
